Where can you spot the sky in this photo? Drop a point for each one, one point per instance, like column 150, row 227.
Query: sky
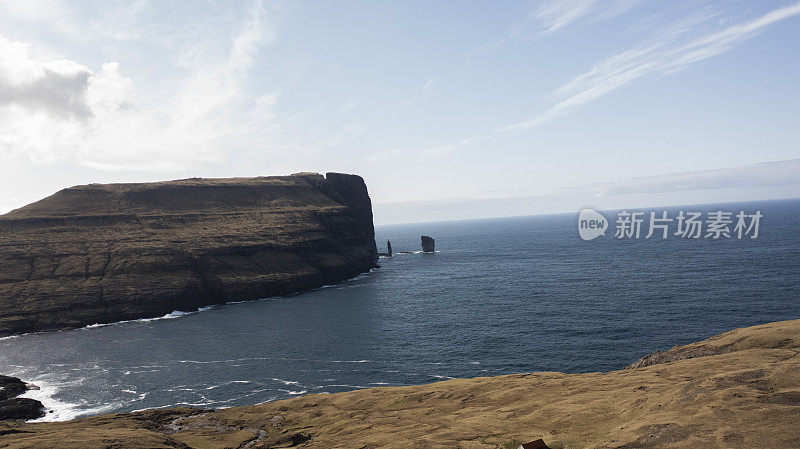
column 449, row 110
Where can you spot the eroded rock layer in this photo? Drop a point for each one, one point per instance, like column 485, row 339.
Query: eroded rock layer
column 104, row 253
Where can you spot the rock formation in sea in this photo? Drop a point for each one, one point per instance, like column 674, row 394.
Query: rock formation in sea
column 388, row 252
column 12, row 407
column 104, row 253
column 428, row 244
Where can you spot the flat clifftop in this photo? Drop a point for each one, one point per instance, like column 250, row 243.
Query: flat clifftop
column 747, row 395
column 181, row 196
column 108, row 252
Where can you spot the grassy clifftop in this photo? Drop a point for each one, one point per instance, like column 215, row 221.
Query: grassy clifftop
column 103, row 253
column 738, row 389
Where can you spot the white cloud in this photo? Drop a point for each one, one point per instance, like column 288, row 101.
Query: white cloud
column 62, row 110
column 56, row 87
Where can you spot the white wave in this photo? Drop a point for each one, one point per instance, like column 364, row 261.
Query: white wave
column 286, row 382
column 357, row 387
column 169, row 316
column 295, row 393
column 175, row 314
column 58, row 410
column 214, row 387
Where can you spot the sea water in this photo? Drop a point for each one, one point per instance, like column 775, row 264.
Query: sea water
column 499, row 296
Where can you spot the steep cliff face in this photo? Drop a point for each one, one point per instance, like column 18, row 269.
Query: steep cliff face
column 104, row 253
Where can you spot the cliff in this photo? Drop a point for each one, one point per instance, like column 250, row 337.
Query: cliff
column 738, row 389
column 104, row 253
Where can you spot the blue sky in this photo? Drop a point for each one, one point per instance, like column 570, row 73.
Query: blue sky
column 448, row 109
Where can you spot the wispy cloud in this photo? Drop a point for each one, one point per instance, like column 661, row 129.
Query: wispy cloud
column 667, row 53
column 777, row 173
column 61, row 109
column 553, row 15
column 426, row 91
column 774, row 180
column 676, row 47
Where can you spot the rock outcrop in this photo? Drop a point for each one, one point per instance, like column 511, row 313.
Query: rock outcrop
column 12, row 407
column 104, row 253
column 428, row 244
column 388, row 252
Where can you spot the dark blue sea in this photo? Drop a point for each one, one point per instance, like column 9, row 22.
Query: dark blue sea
column 499, row 296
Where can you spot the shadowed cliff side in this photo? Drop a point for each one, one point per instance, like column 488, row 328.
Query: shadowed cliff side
column 104, row 253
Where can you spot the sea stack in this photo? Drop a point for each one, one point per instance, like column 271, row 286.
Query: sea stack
column 428, row 245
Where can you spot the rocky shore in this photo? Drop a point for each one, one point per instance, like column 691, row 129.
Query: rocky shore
column 13, row 407
column 104, row 253
column 737, row 389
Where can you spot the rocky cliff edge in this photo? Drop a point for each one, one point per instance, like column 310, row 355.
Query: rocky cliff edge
column 104, row 253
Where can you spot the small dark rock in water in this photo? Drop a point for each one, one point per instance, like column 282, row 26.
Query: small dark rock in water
column 428, row 245
column 11, row 387
column 21, row 408
column 12, row 407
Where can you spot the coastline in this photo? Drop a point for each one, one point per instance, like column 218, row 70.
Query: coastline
column 47, row 389
column 120, row 252
column 734, row 389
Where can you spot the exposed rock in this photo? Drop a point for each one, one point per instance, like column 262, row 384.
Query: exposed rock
column 11, row 387
column 428, row 245
column 535, row 444
column 104, row 253
column 12, row 407
column 388, row 252
column 21, row 408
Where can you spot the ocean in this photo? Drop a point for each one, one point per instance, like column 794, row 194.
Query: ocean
column 499, row 296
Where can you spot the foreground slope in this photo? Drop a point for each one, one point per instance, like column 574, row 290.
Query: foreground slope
column 104, row 253
column 738, row 389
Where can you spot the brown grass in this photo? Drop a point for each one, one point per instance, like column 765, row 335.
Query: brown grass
column 740, row 389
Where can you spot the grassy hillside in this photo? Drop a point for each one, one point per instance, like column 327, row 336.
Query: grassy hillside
column 738, row 389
